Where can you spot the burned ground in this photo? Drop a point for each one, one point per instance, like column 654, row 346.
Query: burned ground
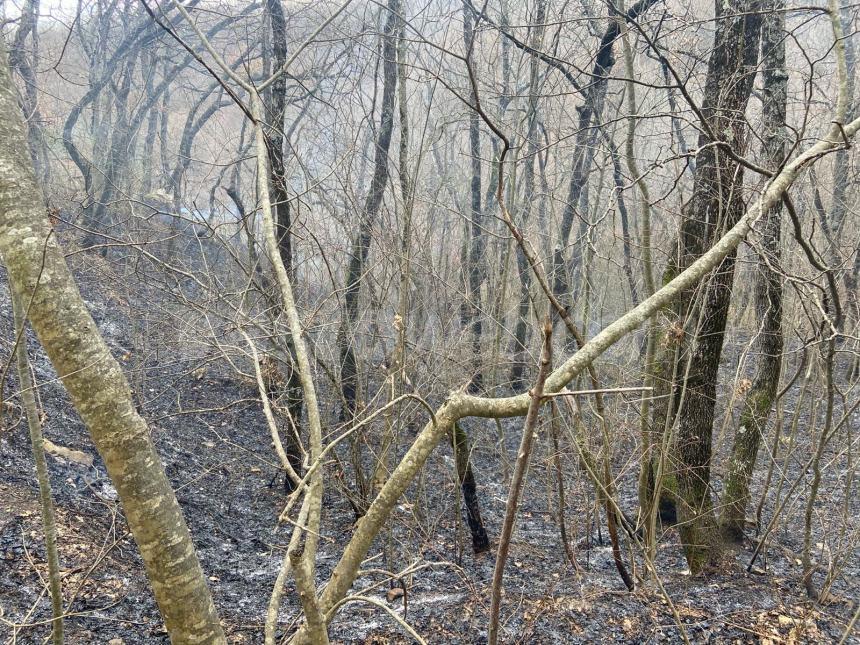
column 210, row 432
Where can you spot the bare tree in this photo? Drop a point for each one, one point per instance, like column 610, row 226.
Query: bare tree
column 760, row 398
column 39, row 276
column 716, row 205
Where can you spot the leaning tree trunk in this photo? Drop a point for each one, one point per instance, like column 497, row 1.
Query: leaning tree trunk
column 716, row 206
column 760, row 398
column 38, row 275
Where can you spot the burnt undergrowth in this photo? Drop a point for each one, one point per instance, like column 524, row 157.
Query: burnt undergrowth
column 211, row 434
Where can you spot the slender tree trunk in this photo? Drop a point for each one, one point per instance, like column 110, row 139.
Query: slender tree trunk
column 361, row 243
column 24, row 59
column 590, row 111
column 471, row 311
column 49, row 524
column 38, row 274
column 518, row 381
column 760, row 398
column 281, row 203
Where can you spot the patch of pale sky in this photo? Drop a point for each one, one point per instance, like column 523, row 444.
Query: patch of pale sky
column 66, row 9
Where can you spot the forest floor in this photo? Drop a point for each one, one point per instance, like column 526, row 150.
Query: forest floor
column 210, row 432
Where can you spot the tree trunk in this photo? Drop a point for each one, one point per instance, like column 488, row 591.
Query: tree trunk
column 760, row 398
column 471, row 310
column 519, row 363
column 37, row 441
column 469, row 488
column 716, row 206
column 97, row 387
column 361, row 243
column 281, row 203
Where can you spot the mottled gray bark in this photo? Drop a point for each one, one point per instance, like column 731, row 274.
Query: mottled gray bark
column 38, row 274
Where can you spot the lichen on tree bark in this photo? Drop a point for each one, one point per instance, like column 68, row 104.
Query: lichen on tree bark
column 38, row 274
